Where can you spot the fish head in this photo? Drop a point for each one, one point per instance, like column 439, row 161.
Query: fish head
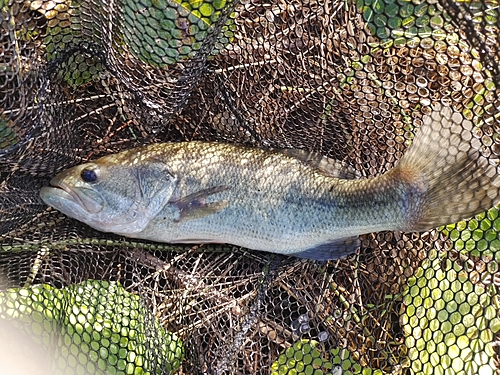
column 112, row 194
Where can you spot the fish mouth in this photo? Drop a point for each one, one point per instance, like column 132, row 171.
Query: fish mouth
column 68, row 192
column 60, row 196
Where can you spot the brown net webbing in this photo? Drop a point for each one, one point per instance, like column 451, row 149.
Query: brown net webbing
column 348, row 80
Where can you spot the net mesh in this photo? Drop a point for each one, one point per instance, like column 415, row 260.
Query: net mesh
column 350, row 80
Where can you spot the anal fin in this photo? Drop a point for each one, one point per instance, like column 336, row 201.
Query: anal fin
column 336, row 249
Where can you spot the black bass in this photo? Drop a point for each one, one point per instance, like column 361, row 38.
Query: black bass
column 200, row 192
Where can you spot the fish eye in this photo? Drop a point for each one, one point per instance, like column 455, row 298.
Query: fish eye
column 89, row 174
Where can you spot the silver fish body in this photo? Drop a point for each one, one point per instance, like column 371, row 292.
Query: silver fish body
column 199, row 192
column 263, row 201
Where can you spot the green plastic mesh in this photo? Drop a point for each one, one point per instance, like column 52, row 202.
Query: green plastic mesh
column 350, row 80
column 95, row 327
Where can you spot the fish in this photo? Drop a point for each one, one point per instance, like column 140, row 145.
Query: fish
column 293, row 203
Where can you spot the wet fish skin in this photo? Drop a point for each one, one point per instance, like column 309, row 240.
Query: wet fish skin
column 200, row 192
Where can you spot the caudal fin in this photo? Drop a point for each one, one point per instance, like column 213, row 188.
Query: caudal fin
column 451, row 179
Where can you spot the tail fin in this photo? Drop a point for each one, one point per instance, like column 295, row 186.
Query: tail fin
column 453, row 181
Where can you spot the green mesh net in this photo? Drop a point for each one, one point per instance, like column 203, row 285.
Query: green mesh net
column 349, row 80
column 95, row 327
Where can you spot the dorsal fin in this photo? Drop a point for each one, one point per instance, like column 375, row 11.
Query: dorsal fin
column 328, row 166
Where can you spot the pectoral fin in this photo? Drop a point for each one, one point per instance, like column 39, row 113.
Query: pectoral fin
column 332, row 250
column 194, row 206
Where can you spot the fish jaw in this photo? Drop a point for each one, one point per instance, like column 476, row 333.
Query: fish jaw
column 70, row 203
column 78, row 203
column 89, row 209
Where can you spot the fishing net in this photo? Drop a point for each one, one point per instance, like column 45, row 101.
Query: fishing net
column 350, row 80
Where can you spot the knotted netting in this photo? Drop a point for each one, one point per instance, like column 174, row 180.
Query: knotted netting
column 349, row 80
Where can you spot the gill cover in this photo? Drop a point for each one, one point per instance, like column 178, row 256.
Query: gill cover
column 156, row 185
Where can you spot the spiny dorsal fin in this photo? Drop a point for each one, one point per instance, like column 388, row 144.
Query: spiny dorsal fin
column 328, row 166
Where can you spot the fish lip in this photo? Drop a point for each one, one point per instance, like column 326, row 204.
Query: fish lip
column 57, row 184
column 61, row 185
